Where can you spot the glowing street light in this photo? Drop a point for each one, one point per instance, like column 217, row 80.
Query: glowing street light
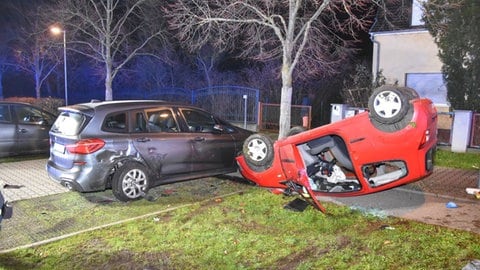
column 57, row 31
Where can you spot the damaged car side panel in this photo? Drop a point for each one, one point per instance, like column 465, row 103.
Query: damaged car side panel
column 131, row 146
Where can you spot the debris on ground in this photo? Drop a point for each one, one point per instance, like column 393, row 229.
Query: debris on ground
column 473, row 191
column 387, row 227
column 452, row 205
column 473, row 265
column 370, row 211
column 297, row 205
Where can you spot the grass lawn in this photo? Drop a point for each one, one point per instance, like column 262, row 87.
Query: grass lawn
column 250, row 230
column 469, row 161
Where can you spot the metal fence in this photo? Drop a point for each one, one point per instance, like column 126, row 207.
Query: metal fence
column 232, row 103
column 269, row 116
column 179, row 95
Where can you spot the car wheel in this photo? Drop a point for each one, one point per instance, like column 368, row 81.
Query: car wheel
column 390, row 108
column 389, row 104
column 295, row 131
column 258, row 152
column 130, row 182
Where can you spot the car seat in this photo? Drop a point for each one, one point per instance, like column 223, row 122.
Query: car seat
column 336, row 145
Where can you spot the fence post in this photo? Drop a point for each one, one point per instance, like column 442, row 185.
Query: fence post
column 245, row 111
column 462, row 123
column 259, row 116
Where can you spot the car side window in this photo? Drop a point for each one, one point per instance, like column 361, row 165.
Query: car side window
column 115, row 122
column 198, row 121
column 5, row 114
column 31, row 115
column 161, row 121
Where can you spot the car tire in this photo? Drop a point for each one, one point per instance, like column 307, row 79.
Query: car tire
column 130, row 182
column 410, row 92
column 389, row 107
column 295, row 131
column 389, row 104
column 258, row 152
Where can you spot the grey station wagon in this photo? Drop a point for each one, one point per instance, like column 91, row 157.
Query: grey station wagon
column 131, row 146
column 23, row 129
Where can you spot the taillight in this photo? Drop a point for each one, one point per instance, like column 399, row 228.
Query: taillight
column 86, row 146
column 425, row 138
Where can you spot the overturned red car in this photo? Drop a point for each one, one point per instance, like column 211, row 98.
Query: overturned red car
column 390, row 144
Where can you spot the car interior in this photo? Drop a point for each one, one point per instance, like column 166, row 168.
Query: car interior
column 329, row 167
column 162, row 121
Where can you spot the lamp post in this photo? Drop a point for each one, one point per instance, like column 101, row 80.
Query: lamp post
column 56, row 31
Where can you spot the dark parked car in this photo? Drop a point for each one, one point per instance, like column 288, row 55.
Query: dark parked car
column 23, row 129
column 130, row 146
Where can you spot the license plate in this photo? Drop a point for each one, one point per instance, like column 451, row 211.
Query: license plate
column 60, row 148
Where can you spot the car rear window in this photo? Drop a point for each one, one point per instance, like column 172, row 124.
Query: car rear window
column 68, row 123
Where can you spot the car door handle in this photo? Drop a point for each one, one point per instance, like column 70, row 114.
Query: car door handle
column 199, row 139
column 143, row 139
column 22, row 130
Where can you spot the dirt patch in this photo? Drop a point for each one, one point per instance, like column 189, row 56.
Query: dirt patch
column 464, row 217
column 293, row 260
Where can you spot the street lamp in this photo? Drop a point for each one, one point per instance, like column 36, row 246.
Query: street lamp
column 56, row 31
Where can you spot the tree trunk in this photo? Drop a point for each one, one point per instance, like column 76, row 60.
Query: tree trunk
column 108, row 82
column 287, row 89
column 285, row 101
column 37, row 84
column 108, row 87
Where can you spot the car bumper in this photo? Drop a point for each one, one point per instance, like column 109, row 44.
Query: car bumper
column 81, row 178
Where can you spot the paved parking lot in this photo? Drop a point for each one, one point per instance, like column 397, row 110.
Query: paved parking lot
column 31, row 178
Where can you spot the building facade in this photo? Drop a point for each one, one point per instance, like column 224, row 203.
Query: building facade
column 405, row 53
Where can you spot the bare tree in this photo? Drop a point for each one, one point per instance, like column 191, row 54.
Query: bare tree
column 31, row 49
column 310, row 37
column 111, row 32
column 35, row 54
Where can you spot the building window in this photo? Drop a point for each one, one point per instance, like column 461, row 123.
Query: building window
column 417, row 12
column 429, row 85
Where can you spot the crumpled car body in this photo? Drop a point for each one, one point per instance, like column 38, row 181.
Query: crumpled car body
column 389, row 145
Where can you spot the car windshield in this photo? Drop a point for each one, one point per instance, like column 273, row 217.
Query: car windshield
column 68, row 123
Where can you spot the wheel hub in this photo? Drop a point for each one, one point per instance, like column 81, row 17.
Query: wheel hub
column 387, row 104
column 134, row 183
column 257, row 150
